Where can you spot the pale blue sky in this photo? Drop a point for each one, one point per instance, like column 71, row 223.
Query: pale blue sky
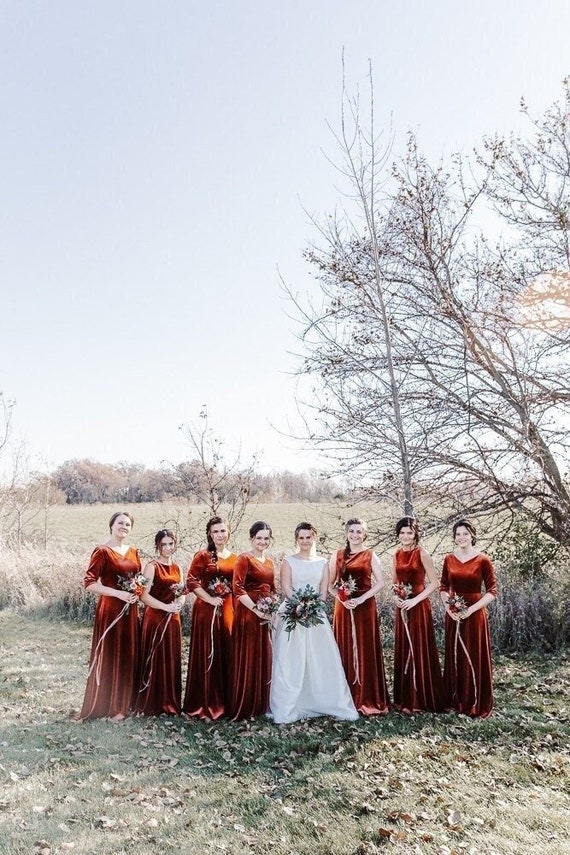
column 155, row 158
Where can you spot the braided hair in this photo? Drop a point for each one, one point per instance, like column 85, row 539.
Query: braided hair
column 210, row 540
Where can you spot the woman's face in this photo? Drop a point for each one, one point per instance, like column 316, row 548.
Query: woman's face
column 463, row 536
column 305, row 539
column 406, row 536
column 121, row 527
column 219, row 534
column 166, row 546
column 260, row 541
column 356, row 534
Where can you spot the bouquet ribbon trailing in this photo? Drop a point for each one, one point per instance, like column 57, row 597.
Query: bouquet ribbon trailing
column 354, row 650
column 411, row 657
column 459, row 640
column 211, row 653
column 96, row 652
column 155, row 644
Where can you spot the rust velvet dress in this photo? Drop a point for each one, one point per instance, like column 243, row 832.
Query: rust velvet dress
column 114, row 659
column 418, row 684
column 207, row 694
column 160, row 682
column 250, row 660
column 468, row 670
column 357, row 634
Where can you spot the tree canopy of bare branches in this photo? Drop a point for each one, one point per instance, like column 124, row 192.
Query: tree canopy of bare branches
column 436, row 346
column 224, row 485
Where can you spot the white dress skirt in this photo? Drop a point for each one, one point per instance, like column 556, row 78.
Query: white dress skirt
column 307, row 679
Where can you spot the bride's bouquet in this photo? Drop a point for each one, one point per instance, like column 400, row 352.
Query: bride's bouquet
column 304, row 607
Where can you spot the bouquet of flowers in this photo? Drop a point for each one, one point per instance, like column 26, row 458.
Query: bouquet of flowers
column 456, row 604
column 267, row 605
column 218, row 587
column 303, row 607
column 178, row 589
column 134, row 583
column 345, row 589
column 402, row 590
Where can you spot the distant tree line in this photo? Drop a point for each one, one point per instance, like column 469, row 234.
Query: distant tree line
column 89, row 482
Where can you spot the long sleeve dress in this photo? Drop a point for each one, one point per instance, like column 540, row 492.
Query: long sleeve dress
column 418, row 684
column 308, row 678
column 207, row 692
column 357, row 634
column 160, row 682
column 468, row 669
column 114, row 659
column 250, row 659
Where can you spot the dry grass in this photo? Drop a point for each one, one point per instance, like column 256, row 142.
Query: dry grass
column 530, row 613
column 35, row 576
column 423, row 784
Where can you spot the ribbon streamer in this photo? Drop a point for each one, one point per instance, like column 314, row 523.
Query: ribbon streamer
column 459, row 639
column 211, row 653
column 405, row 618
column 95, row 664
column 354, row 647
column 153, row 649
column 354, row 650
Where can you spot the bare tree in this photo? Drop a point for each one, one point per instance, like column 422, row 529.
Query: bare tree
column 221, row 484
column 483, row 390
column 6, row 408
column 25, row 499
column 350, row 356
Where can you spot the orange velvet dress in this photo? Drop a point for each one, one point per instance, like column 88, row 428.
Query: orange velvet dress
column 418, row 684
column 468, row 670
column 114, row 660
column 160, row 681
column 207, row 694
column 250, row 660
column 357, row 634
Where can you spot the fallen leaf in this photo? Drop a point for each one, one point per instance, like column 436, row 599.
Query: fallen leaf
column 385, row 832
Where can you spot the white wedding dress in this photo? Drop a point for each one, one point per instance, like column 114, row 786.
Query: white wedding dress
column 308, row 678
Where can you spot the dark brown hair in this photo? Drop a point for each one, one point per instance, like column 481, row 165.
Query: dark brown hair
column 164, row 532
column 258, row 526
column 211, row 545
column 409, row 522
column 470, row 528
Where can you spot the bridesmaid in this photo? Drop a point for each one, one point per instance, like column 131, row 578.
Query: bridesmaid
column 418, row 683
column 355, row 579
column 250, row 660
column 467, row 674
column 114, row 659
column 160, row 686
column 210, row 579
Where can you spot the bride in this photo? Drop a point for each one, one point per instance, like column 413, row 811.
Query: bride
column 308, row 678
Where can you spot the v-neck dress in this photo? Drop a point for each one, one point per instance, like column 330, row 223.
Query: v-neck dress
column 250, row 658
column 468, row 669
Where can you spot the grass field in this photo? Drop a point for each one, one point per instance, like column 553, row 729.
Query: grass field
column 422, row 784
column 86, row 525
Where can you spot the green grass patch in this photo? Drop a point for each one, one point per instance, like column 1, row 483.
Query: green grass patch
column 426, row 784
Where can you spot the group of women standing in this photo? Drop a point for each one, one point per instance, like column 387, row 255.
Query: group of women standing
column 244, row 660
